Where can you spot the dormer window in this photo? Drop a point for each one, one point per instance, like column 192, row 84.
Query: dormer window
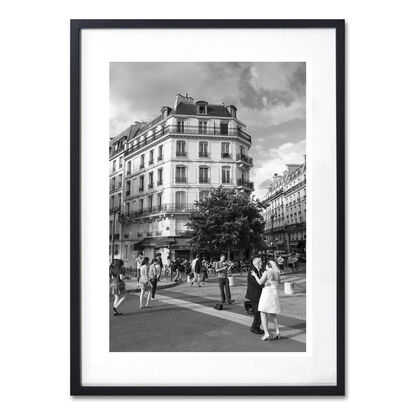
column 201, row 107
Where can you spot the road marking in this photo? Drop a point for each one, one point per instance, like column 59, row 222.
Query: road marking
column 286, row 331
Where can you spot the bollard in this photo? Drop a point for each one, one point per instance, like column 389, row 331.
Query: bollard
column 288, row 288
column 231, row 281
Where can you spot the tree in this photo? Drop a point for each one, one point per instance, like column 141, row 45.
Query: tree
column 227, row 220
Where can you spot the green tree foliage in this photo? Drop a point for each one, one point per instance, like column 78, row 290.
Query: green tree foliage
column 227, row 220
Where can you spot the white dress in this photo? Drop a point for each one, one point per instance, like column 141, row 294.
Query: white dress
column 270, row 300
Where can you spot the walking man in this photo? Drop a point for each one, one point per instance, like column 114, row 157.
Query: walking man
column 196, row 268
column 222, row 274
column 253, row 294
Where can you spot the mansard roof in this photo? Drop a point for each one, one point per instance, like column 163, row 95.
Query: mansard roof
column 186, row 108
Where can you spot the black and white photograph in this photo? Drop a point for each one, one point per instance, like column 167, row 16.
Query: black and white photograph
column 207, row 207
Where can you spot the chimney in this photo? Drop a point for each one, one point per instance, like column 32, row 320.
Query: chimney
column 180, row 98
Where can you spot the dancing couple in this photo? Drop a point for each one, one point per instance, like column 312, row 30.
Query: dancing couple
column 262, row 291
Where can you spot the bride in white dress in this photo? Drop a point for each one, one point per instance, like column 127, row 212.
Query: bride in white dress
column 269, row 303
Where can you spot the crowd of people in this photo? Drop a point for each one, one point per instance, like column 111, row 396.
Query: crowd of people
column 262, row 283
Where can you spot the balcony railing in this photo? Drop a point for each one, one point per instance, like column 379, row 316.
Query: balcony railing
column 245, row 184
column 181, row 154
column 181, row 179
column 174, row 129
column 204, row 180
column 226, row 155
column 203, row 154
column 242, row 158
column 161, row 209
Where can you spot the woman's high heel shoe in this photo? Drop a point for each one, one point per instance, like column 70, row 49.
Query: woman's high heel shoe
column 276, row 336
column 265, row 337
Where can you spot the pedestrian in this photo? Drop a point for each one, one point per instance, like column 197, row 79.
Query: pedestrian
column 295, row 262
column 253, row 294
column 138, row 262
column 280, row 263
column 160, row 263
column 144, row 281
column 196, row 270
column 154, row 273
column 205, row 270
column 117, row 274
column 222, row 268
column 269, row 303
column 168, row 270
column 175, row 270
column 291, row 263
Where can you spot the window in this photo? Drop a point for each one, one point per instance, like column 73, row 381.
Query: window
column 119, row 180
column 114, row 165
column 150, row 180
column 203, row 195
column 159, row 200
column 159, row 177
column 160, row 156
column 113, row 183
column 223, row 128
column 226, row 175
column 181, row 148
column 203, row 174
column 151, row 158
column 150, row 202
column 180, row 126
column 129, row 167
column 119, row 162
column 180, row 200
column 141, row 205
column 141, row 188
column 203, row 149
column 142, row 161
column 201, row 109
column 225, row 150
column 181, row 174
column 112, row 202
column 128, row 189
column 127, row 208
column 202, row 127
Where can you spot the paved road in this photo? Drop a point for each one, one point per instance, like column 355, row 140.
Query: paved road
column 184, row 320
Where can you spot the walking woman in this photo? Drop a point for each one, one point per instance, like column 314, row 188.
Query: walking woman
column 144, row 282
column 269, row 303
column 117, row 274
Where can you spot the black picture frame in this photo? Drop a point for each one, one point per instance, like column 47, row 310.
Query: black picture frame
column 76, row 387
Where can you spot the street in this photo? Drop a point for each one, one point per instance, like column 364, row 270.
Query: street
column 182, row 319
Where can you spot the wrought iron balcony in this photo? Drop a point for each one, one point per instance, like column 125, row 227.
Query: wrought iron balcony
column 188, row 130
column 244, row 160
column 245, row 184
column 167, row 208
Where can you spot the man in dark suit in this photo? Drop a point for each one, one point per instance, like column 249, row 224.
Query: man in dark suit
column 253, row 294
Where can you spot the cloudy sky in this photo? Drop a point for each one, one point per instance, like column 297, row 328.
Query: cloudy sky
column 270, row 98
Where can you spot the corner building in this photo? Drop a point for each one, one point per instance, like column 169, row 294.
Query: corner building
column 286, row 212
column 169, row 164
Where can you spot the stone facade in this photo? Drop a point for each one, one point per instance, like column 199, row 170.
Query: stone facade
column 166, row 165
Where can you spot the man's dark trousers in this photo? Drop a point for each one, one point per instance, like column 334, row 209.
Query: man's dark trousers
column 256, row 324
column 225, row 289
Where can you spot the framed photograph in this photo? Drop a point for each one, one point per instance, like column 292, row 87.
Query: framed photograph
column 207, row 207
